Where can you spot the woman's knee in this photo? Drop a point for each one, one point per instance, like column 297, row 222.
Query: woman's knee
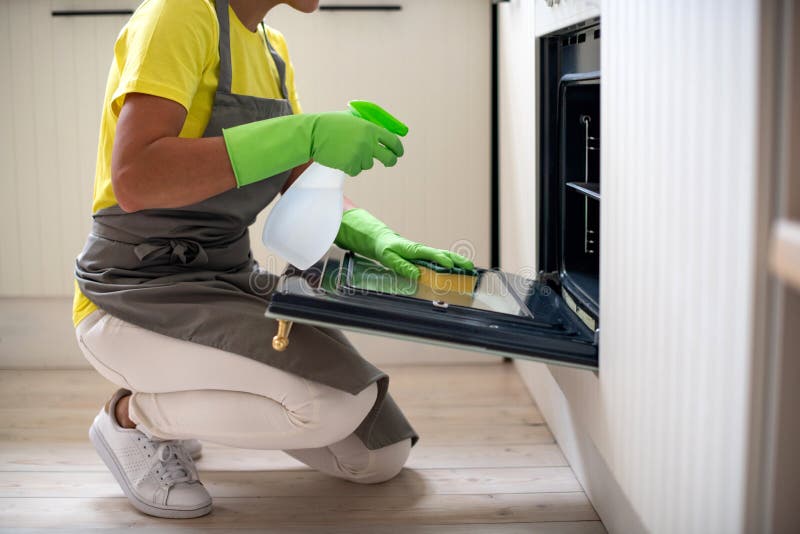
column 385, row 464
column 338, row 414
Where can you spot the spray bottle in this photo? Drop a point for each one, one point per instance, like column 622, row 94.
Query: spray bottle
column 304, row 222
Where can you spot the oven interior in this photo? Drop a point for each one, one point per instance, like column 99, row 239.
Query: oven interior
column 569, row 173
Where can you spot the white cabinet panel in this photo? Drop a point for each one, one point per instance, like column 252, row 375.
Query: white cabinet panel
column 667, row 415
column 517, row 131
column 50, row 102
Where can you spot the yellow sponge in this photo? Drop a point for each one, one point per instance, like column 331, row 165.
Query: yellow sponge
column 449, row 282
column 454, row 286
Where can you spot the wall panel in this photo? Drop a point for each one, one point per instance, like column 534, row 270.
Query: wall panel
column 679, row 147
column 57, row 69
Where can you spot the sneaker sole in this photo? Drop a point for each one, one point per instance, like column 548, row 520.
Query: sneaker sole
column 108, row 458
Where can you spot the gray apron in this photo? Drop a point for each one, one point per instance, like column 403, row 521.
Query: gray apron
column 188, row 272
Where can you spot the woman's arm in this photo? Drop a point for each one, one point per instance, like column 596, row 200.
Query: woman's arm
column 151, row 167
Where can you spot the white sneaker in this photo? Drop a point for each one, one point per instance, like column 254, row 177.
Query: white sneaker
column 158, row 476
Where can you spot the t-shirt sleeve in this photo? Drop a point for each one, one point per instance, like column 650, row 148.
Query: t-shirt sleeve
column 277, row 40
column 164, row 50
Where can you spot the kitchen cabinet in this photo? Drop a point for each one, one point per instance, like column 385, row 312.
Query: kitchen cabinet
column 673, row 431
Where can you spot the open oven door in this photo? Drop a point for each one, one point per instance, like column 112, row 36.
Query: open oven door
column 486, row 311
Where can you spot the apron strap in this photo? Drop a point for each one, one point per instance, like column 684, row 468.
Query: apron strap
column 279, row 63
column 224, row 84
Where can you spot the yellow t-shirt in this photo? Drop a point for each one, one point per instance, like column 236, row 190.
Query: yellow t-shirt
column 170, row 48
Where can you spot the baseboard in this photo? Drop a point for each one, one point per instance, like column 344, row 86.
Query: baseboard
column 591, row 469
column 37, row 333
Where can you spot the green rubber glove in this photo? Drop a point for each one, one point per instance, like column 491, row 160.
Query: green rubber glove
column 336, row 139
column 364, row 234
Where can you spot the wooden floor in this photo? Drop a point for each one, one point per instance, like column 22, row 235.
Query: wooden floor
column 486, row 463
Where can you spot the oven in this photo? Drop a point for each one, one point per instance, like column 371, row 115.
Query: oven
column 569, row 166
column 553, row 317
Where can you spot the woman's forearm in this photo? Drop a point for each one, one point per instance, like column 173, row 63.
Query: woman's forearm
column 171, row 172
column 153, row 167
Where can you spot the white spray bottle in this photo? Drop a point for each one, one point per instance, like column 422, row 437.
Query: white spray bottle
column 303, row 224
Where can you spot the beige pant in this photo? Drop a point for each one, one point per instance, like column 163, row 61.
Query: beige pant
column 187, row 390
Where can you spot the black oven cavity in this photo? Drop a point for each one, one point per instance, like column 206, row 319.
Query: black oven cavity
column 569, row 169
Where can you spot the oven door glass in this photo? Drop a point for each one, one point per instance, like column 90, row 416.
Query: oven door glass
column 494, row 312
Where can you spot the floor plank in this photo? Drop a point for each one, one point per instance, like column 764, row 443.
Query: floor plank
column 465, row 405
column 37, row 415
column 463, row 385
column 73, row 456
column 551, row 527
column 42, row 424
column 307, row 483
column 330, row 510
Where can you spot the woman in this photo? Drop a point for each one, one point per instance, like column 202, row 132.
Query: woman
column 201, row 129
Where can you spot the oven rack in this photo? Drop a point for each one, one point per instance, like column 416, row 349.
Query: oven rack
column 589, row 189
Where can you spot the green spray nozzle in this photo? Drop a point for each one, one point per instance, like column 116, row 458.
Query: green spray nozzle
column 377, row 115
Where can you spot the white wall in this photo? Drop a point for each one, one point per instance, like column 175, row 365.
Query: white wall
column 667, row 414
column 54, row 79
column 517, row 155
column 50, row 99
column 429, row 64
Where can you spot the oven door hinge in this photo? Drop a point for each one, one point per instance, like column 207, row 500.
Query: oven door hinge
column 597, row 336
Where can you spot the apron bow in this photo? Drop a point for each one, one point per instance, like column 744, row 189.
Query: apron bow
column 180, row 251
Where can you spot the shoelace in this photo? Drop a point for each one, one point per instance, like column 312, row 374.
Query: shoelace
column 175, row 466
